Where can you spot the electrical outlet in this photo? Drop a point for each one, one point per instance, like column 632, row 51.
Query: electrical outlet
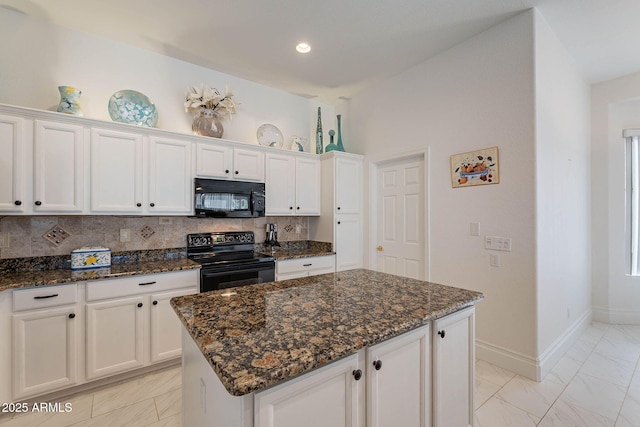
column 298, row 229
column 4, row 240
column 125, row 235
column 165, row 220
column 474, row 228
column 494, row 260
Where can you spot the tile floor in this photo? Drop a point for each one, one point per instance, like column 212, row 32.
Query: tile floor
column 597, row 383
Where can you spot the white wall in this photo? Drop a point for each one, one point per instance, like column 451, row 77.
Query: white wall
column 562, row 195
column 37, row 57
column 615, row 105
column 477, row 94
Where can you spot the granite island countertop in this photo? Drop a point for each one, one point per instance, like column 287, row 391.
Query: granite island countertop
column 256, row 336
column 59, row 276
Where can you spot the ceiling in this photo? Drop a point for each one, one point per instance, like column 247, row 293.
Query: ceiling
column 355, row 43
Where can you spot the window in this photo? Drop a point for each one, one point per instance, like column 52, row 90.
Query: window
column 632, row 137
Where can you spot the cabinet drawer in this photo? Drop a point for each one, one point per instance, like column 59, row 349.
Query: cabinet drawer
column 46, row 296
column 305, row 264
column 133, row 285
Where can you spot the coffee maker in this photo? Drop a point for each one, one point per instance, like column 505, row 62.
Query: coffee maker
column 272, row 235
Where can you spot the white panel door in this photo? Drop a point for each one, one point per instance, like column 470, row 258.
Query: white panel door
column 165, row 327
column 401, row 220
column 453, row 369
column 115, row 340
column 348, row 242
column 44, row 351
column 58, row 167
column 214, row 161
column 348, row 186
column 328, row 397
column 11, row 164
column 398, row 381
column 170, row 182
column 116, row 172
column 308, row 186
column 280, row 184
column 248, row 165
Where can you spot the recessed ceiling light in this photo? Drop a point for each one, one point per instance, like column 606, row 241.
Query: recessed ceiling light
column 303, row 48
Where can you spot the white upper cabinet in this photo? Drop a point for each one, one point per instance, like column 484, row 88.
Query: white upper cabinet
column 12, row 196
column 348, row 185
column 170, row 177
column 58, row 167
column 116, row 172
column 219, row 161
column 292, row 185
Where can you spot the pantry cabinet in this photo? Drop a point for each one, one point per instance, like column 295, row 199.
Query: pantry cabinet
column 45, row 322
column 341, row 221
column 293, row 185
column 219, row 161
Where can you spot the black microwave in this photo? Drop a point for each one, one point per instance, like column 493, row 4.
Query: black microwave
column 228, row 199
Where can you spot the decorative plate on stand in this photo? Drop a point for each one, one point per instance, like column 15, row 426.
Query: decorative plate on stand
column 270, row 136
column 129, row 106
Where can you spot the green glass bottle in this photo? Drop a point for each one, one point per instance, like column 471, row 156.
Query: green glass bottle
column 340, row 146
column 331, row 146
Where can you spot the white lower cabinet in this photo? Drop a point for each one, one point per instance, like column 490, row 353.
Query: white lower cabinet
column 114, row 336
column 45, row 323
column 130, row 323
column 304, row 267
column 348, row 242
column 330, row 396
column 398, row 381
column 453, row 369
column 412, row 380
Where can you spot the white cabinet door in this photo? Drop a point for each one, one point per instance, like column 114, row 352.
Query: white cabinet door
column 58, row 167
column 116, row 172
column 115, row 339
column 280, row 184
column 12, row 164
column 166, row 328
column 398, row 381
column 348, row 186
column 308, row 186
column 348, row 242
column 329, row 396
column 214, row 161
column 453, row 369
column 44, row 351
column 170, row 182
column 248, row 165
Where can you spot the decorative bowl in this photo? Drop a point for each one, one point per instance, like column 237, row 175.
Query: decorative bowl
column 129, row 106
column 270, row 136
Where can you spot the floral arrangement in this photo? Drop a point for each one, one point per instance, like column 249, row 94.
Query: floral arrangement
column 210, row 98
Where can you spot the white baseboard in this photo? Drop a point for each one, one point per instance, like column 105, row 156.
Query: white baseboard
column 535, row 368
column 617, row 316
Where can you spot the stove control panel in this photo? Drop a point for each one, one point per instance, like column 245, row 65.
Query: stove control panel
column 202, row 240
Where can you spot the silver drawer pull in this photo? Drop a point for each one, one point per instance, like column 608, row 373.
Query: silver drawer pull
column 146, row 283
column 307, row 265
column 45, row 296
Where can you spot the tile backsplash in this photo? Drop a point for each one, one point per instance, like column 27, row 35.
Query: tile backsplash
column 27, row 236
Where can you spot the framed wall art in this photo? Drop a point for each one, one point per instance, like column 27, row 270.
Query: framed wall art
column 479, row 167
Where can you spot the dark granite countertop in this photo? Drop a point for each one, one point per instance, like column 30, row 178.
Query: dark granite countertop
column 296, row 249
column 256, row 336
column 59, row 276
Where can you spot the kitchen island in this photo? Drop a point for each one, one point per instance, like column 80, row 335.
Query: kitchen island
column 261, row 355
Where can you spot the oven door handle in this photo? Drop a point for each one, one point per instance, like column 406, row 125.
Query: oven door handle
column 222, row 272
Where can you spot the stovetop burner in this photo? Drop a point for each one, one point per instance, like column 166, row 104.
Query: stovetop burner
column 231, row 247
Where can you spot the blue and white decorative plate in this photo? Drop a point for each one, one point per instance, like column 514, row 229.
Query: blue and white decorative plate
column 129, row 106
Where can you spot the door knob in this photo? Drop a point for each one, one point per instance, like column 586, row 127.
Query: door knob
column 380, row 249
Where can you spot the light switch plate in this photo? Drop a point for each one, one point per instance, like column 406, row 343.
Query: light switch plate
column 494, row 260
column 497, row 243
column 474, row 228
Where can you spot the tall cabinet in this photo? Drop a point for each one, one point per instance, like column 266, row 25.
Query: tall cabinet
column 340, row 221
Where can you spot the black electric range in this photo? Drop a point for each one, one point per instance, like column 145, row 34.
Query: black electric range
column 228, row 260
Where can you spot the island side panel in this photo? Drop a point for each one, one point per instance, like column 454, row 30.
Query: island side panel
column 205, row 401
